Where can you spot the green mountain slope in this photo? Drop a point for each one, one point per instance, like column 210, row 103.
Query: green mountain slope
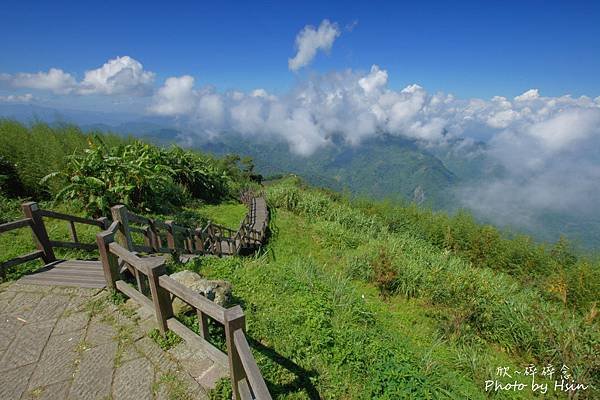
column 383, row 167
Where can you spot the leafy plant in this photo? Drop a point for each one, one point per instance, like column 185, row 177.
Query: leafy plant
column 167, row 341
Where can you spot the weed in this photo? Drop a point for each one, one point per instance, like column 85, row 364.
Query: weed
column 166, row 341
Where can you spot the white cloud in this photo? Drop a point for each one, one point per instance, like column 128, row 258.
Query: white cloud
column 531, row 94
column 374, row 80
column 176, row 97
column 55, row 80
column 309, row 40
column 13, row 98
column 121, row 75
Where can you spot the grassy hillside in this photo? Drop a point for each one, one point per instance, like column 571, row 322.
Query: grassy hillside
column 357, row 299
column 345, row 303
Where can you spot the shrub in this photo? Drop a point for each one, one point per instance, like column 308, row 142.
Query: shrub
column 384, row 273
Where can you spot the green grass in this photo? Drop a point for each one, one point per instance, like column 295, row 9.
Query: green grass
column 226, row 214
column 319, row 326
column 314, row 330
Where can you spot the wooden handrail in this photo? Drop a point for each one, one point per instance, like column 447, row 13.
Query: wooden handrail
column 253, row 375
column 192, row 298
column 21, row 223
column 73, row 218
column 152, row 280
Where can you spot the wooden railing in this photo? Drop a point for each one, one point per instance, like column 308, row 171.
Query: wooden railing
column 45, row 246
column 154, row 289
column 168, row 237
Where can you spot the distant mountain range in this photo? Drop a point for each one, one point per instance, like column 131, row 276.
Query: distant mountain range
column 382, row 167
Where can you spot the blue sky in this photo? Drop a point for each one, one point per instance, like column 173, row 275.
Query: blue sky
column 470, row 49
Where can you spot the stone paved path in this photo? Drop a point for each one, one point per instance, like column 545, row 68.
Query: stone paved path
column 73, row 343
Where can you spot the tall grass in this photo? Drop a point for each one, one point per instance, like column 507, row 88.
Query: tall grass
column 483, row 301
column 37, row 150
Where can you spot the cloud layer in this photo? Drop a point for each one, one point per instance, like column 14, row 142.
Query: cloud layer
column 310, row 40
column 121, row 75
column 547, row 147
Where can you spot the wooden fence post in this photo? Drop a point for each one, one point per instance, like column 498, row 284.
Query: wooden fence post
column 234, row 320
column 104, row 221
column 110, row 262
column 170, row 235
column 119, row 213
column 40, row 235
column 203, row 324
column 160, row 297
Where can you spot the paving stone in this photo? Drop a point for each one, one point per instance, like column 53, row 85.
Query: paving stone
column 14, row 382
column 77, row 303
column 24, row 303
column 209, row 378
column 72, row 322
column 4, row 304
column 9, row 326
column 133, row 380
column 56, row 391
column 180, row 386
column 93, row 380
column 195, row 362
column 23, row 287
column 7, row 296
column 58, row 360
column 158, row 357
column 76, row 291
column 50, row 307
column 27, row 346
column 100, row 332
column 128, row 352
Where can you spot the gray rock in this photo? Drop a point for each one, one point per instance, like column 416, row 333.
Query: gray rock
column 218, row 291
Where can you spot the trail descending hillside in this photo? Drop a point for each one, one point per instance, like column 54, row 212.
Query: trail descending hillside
column 342, row 306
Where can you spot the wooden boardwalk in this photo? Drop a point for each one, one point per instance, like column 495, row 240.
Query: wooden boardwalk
column 86, row 274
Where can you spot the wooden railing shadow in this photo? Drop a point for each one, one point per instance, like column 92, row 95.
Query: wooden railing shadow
column 303, row 377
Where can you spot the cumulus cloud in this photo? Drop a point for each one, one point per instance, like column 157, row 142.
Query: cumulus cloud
column 546, row 147
column 55, row 80
column 347, row 104
column 119, row 76
column 175, row 97
column 310, row 40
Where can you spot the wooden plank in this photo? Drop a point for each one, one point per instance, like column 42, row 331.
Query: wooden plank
column 46, row 276
column 72, row 218
column 21, row 259
column 70, row 273
column 196, row 341
column 62, row 282
column 86, row 263
column 9, row 226
column 71, row 245
column 194, row 299
column 143, row 249
column 138, row 219
column 128, row 256
column 244, row 390
column 253, row 374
